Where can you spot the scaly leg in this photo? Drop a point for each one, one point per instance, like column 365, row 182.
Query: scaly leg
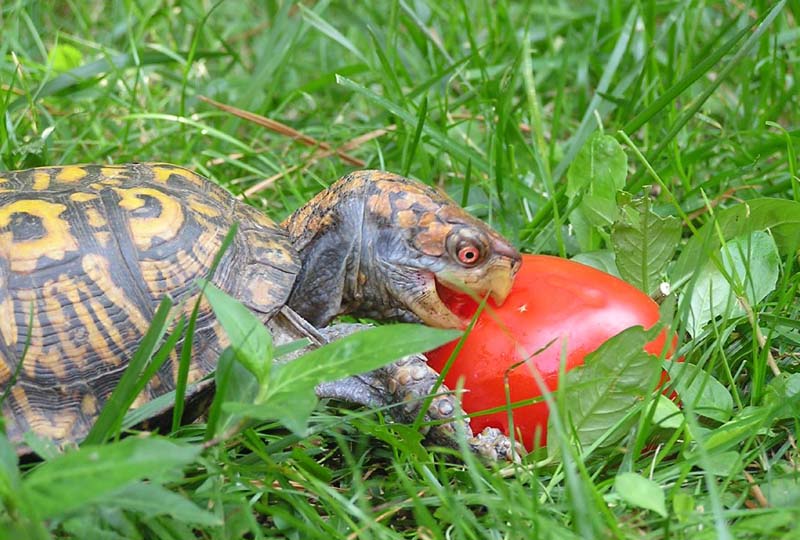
column 405, row 385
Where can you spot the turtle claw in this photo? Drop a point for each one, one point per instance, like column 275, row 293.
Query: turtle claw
column 404, row 387
column 493, row 445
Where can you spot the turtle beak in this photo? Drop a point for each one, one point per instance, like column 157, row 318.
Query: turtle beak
column 499, row 283
column 498, row 280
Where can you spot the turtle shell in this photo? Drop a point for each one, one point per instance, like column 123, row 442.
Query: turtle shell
column 86, row 255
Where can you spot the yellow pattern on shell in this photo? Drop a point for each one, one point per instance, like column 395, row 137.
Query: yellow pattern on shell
column 81, row 196
column 8, row 323
column 24, row 255
column 72, row 173
column 166, row 226
column 41, row 181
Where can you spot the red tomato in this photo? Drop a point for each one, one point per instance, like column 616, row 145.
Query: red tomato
column 553, row 300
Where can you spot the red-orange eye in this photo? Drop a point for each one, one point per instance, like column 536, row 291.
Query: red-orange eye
column 468, row 255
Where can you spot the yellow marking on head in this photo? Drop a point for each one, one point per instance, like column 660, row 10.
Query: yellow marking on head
column 81, row 196
column 41, row 181
column 431, row 239
column 57, row 241
column 95, row 218
column 166, row 226
column 8, row 323
column 71, row 174
column 96, row 186
column 406, row 218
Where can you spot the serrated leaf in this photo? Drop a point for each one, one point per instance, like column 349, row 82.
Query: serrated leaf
column 644, row 244
column 595, row 176
column 601, row 393
column 249, row 337
column 152, row 500
column 706, row 395
column 357, row 353
column 639, row 491
column 751, row 265
column 91, row 473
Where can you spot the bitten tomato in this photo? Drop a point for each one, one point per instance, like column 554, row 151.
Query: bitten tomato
column 554, row 301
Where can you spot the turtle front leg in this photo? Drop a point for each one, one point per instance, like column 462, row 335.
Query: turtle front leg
column 404, row 386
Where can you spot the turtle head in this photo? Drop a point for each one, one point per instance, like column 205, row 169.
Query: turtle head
column 400, row 244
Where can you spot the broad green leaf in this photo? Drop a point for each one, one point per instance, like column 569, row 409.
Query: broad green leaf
column 250, row 339
column 683, row 506
column 706, row 395
column 667, row 414
column 780, row 216
column 744, row 425
column 233, row 382
column 357, row 353
column 601, row 259
column 751, row 264
column 92, row 473
column 64, row 57
column 783, row 395
column 597, row 173
column 755, row 264
column 639, row 491
column 600, row 394
column 722, row 464
column 644, row 244
column 154, row 500
column 783, row 492
column 600, row 167
column 91, row 525
column 593, row 178
column 292, row 409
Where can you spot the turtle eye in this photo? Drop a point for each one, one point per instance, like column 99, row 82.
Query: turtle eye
column 469, row 255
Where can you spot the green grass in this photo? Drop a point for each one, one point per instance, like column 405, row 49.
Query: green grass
column 492, row 101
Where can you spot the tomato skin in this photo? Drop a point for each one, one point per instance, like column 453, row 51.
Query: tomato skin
column 554, row 301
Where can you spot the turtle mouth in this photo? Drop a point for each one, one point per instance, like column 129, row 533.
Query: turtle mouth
column 446, row 303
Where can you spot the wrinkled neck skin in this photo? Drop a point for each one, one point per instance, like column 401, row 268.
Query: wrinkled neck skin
column 343, row 270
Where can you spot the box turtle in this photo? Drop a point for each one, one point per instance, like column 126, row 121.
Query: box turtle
column 87, row 252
